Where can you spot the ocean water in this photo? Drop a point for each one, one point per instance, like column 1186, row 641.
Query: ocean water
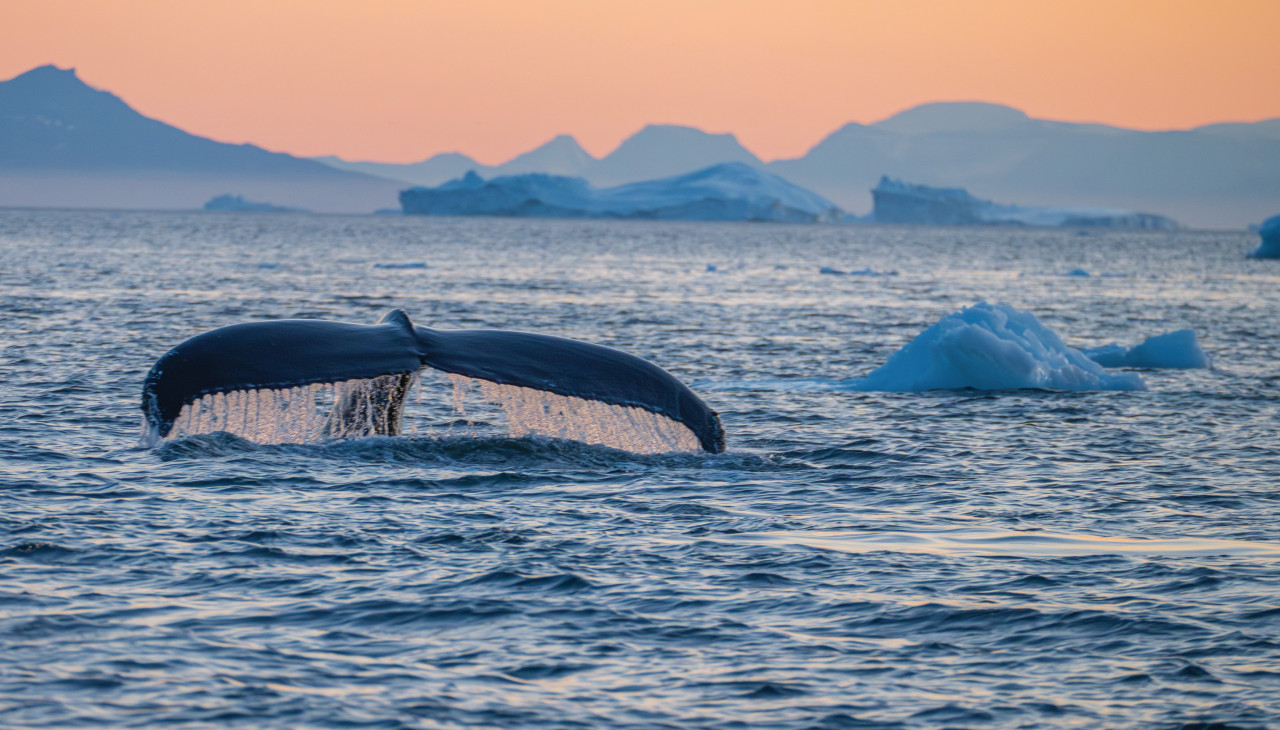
column 1008, row 559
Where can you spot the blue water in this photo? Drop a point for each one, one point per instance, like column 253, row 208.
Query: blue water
column 963, row 559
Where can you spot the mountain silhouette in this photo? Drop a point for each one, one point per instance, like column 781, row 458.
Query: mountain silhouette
column 64, row 143
column 561, row 156
column 431, row 171
column 1218, row 176
column 1223, row 175
column 656, row 151
column 662, row 150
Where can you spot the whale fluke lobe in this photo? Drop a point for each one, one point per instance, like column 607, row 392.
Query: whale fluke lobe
column 210, row 374
column 293, row 381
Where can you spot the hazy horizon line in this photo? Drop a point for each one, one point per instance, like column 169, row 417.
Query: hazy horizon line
column 418, row 158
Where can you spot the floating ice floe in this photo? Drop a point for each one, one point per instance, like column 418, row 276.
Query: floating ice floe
column 1270, row 246
column 1176, row 350
column 727, row 191
column 857, row 272
column 991, row 347
column 896, row 201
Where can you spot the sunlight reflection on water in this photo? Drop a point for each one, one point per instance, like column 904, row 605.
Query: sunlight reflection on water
column 901, row 560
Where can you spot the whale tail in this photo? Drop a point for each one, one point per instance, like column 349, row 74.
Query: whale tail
column 289, row 381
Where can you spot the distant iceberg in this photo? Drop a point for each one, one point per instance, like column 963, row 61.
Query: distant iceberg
column 237, row 203
column 728, row 192
column 900, row 202
column 858, row 272
column 1270, row 246
column 991, row 347
column 1174, row 350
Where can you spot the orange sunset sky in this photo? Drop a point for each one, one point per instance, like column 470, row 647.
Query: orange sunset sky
column 398, row 81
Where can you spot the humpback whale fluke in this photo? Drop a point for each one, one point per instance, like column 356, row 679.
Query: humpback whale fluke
column 266, row 381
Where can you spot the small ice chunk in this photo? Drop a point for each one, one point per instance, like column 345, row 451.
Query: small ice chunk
column 1079, row 272
column 410, row 265
column 1175, row 350
column 857, row 272
column 991, row 347
column 1270, row 246
column 711, row 268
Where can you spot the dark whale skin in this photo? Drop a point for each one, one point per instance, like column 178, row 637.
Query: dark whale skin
column 294, row 352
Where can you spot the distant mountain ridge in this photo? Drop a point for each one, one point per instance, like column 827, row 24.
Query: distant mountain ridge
column 561, row 156
column 63, row 143
column 1220, row 175
column 66, row 144
column 656, row 151
column 1213, row 176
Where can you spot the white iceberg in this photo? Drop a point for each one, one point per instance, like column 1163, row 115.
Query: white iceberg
column 991, row 347
column 731, row 191
column 238, row 204
column 896, row 201
column 858, row 272
column 1174, row 350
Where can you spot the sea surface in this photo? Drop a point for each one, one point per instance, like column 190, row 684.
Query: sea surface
column 1008, row 559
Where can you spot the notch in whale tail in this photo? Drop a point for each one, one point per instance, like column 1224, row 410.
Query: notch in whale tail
column 299, row 380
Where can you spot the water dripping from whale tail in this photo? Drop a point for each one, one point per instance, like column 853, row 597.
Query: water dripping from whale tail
column 294, row 381
column 530, row 412
column 301, row 414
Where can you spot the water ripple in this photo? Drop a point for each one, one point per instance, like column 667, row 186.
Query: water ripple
column 1014, row 559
